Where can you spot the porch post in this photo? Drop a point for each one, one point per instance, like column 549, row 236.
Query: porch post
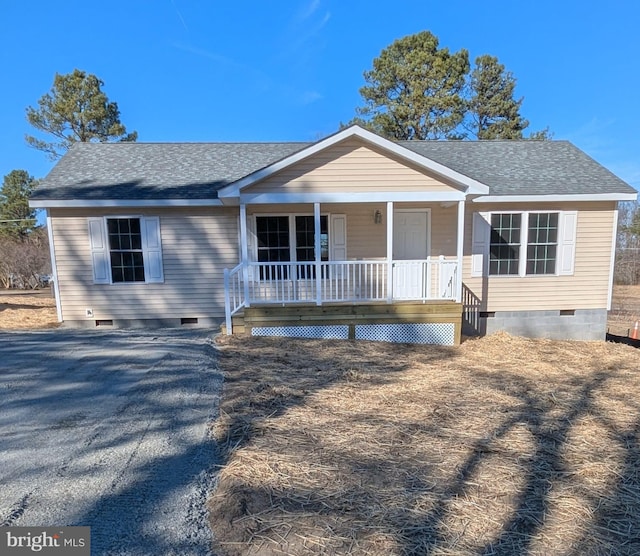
column 389, row 251
column 244, row 253
column 317, row 247
column 459, row 252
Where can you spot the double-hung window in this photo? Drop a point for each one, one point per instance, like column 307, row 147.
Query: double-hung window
column 504, row 252
column 126, row 249
column 542, row 243
column 524, row 243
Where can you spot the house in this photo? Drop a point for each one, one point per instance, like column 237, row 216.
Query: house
column 353, row 236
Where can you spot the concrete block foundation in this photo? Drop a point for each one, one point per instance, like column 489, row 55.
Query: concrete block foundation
column 574, row 324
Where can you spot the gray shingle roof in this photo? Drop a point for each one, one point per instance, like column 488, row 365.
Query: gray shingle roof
column 524, row 167
column 147, row 171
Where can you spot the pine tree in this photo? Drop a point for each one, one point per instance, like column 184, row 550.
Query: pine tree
column 414, row 90
column 494, row 113
column 17, row 219
column 76, row 109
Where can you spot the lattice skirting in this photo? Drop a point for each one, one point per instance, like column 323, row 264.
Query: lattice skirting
column 407, row 333
column 335, row 332
column 425, row 333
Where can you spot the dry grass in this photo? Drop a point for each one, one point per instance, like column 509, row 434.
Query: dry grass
column 27, row 310
column 625, row 309
column 501, row 446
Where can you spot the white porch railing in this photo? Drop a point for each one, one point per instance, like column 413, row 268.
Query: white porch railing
column 340, row 281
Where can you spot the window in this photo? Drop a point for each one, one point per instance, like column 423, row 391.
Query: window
column 542, row 243
column 305, row 244
column 273, row 238
column 305, row 238
column 277, row 244
column 125, row 249
column 504, row 249
column 273, row 246
column 523, row 243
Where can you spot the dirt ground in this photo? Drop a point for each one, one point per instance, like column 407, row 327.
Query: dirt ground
column 501, row 446
column 20, row 310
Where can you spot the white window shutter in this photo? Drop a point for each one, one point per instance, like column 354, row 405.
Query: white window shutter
column 480, row 244
column 152, row 248
column 338, row 237
column 99, row 251
column 567, row 242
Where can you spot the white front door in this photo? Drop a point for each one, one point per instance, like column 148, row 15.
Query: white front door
column 410, row 243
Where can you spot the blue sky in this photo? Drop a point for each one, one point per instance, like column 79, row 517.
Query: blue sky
column 206, row 70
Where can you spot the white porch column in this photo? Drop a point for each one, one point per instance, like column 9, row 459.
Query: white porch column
column 244, row 253
column 460, row 251
column 389, row 251
column 317, row 247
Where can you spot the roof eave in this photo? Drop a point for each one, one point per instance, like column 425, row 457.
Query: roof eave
column 122, row 203
column 556, row 198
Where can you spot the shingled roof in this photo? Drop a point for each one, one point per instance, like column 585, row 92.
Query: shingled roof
column 156, row 170
column 524, row 167
column 168, row 171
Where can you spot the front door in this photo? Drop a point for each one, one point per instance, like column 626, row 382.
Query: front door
column 410, row 243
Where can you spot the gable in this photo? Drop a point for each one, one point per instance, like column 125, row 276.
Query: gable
column 351, row 166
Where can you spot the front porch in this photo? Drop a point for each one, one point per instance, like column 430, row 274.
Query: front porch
column 392, row 298
column 407, row 296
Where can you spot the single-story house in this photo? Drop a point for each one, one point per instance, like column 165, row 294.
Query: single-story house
column 352, row 236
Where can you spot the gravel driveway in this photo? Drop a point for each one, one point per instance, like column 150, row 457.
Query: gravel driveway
column 109, row 429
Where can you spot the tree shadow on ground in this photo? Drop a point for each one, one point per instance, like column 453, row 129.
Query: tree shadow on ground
column 498, row 465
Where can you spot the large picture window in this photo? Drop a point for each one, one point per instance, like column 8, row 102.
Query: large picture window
column 523, row 243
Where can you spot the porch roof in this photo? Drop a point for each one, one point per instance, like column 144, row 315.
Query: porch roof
column 138, row 174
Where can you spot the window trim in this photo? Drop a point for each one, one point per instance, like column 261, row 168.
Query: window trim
column 101, row 254
column 562, row 242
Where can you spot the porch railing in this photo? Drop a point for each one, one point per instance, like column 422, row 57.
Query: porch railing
column 339, row 281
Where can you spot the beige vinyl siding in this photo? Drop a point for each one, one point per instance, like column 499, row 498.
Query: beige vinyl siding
column 367, row 240
column 197, row 244
column 350, row 166
column 587, row 288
